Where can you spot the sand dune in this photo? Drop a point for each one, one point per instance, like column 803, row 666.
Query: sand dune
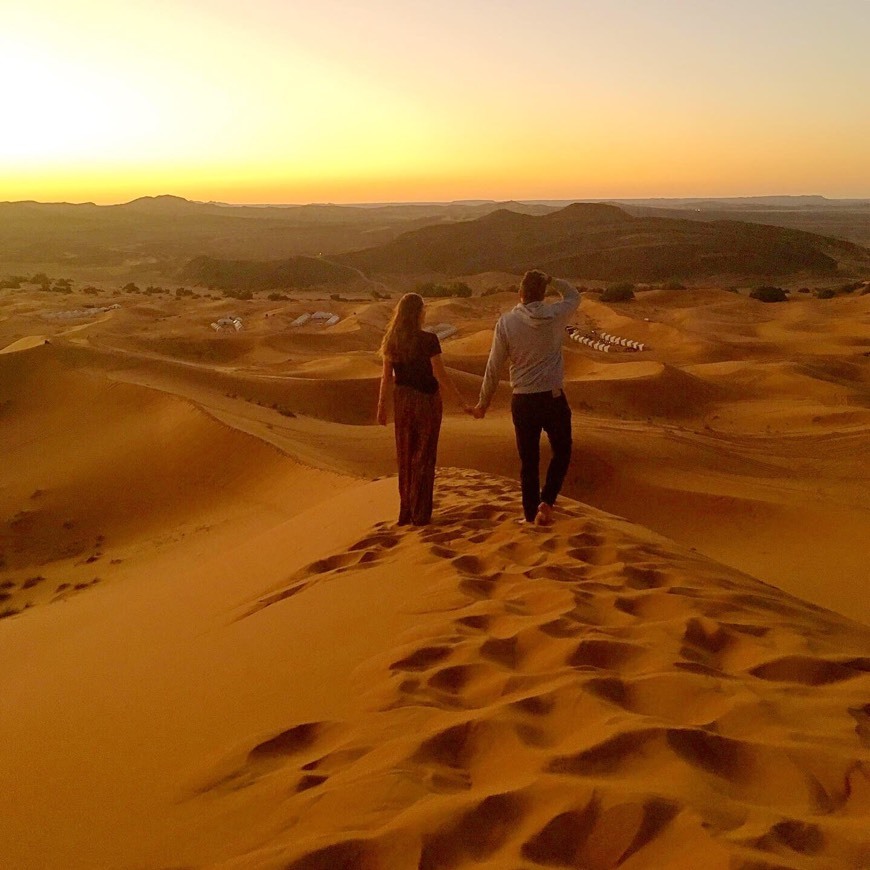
column 462, row 695
column 26, row 343
column 218, row 651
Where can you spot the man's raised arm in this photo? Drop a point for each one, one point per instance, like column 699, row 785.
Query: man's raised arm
column 570, row 296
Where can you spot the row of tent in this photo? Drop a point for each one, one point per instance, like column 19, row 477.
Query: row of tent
column 78, row 313
column 604, row 341
column 327, row 318
column 623, row 342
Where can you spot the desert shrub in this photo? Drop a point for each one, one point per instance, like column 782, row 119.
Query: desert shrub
column 804, row 290
column 183, row 291
column 236, row 293
column 13, row 282
column 91, row 290
column 673, row 284
column 852, row 287
column 130, row 287
column 40, row 278
column 826, row 293
column 151, row 290
column 456, row 288
column 618, row 293
column 769, row 294
column 278, row 297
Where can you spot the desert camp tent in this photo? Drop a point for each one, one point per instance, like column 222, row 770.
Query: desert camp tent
column 327, row 318
column 604, row 342
column 79, row 313
column 227, row 323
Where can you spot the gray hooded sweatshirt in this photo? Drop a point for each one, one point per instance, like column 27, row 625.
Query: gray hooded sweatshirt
column 530, row 335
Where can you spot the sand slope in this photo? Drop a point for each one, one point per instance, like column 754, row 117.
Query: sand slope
column 217, row 651
column 466, row 695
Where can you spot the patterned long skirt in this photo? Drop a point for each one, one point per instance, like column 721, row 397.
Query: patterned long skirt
column 418, row 424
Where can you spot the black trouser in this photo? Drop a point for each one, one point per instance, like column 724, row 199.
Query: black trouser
column 532, row 413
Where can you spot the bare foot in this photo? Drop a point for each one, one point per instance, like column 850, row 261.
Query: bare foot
column 544, row 516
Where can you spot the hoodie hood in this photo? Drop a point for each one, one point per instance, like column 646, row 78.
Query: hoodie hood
column 536, row 313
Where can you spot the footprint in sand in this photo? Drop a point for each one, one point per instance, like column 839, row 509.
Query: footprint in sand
column 861, row 715
column 365, row 553
column 442, row 552
column 476, row 622
column 809, row 671
column 274, row 755
column 475, row 834
column 504, row 652
column 479, row 588
column 604, row 654
column 422, row 659
column 597, row 836
column 643, row 577
column 376, row 542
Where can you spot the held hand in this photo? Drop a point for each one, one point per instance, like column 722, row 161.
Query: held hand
column 478, row 413
column 467, row 409
column 382, row 416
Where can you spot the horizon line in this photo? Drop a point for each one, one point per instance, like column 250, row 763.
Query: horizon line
column 463, row 201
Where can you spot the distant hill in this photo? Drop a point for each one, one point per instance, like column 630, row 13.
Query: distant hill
column 841, row 219
column 160, row 235
column 604, row 242
column 163, row 232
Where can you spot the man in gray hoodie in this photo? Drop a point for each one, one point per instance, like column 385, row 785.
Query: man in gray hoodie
column 530, row 336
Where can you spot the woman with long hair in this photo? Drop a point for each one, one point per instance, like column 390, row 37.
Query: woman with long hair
column 414, row 372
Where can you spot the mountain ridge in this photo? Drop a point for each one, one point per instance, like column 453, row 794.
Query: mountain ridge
column 600, row 241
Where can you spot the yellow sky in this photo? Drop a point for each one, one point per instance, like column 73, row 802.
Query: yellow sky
column 396, row 100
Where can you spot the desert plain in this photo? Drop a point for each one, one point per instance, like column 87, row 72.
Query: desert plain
column 219, row 651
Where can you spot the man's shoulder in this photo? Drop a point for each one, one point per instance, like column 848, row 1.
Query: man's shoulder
column 509, row 315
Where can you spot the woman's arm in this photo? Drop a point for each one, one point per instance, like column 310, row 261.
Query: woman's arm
column 447, row 384
column 384, row 391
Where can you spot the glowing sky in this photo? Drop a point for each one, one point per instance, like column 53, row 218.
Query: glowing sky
column 398, row 100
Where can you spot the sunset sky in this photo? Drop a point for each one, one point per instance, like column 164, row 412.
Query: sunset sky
column 409, row 100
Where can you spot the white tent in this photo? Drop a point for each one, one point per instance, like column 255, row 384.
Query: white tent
column 227, row 323
column 327, row 318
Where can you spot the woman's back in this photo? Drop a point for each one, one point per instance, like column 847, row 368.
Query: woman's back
column 413, row 367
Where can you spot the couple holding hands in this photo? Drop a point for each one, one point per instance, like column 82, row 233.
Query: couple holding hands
column 530, row 337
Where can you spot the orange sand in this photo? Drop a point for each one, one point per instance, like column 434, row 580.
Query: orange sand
column 226, row 654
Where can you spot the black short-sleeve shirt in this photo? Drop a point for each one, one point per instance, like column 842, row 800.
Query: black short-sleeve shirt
column 416, row 372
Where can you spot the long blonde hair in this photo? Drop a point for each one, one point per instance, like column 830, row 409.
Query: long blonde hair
column 402, row 338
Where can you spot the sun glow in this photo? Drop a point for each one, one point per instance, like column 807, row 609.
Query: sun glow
column 110, row 101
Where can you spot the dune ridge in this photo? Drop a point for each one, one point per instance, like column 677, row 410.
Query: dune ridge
column 583, row 696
